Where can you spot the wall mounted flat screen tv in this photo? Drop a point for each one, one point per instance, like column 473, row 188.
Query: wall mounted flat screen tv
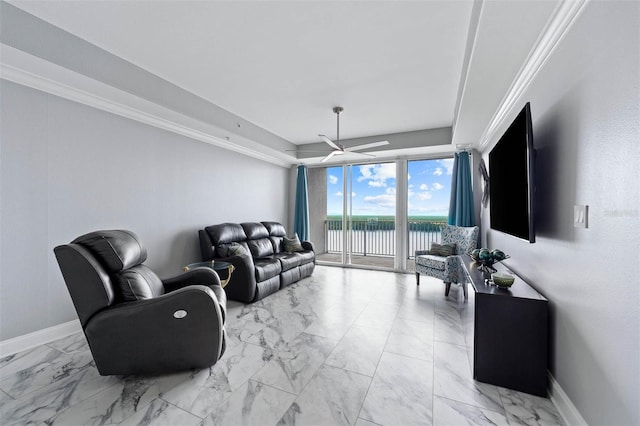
column 511, row 179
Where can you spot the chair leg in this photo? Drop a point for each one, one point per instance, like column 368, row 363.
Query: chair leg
column 446, row 289
column 417, row 278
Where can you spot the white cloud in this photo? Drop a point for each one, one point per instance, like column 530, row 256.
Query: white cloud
column 437, row 186
column 447, row 163
column 339, row 194
column 438, row 171
column 424, row 187
column 378, row 173
column 384, row 200
column 423, row 196
column 333, row 179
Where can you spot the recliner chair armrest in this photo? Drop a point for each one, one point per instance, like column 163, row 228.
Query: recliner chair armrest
column 308, row 245
column 421, row 252
column 176, row 331
column 198, row 276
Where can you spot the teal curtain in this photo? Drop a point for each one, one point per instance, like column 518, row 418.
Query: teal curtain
column 461, row 211
column 301, row 216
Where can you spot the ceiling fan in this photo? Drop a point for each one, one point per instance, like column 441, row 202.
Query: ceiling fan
column 339, row 149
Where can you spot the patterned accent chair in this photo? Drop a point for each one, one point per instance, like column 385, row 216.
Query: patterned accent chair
column 449, row 269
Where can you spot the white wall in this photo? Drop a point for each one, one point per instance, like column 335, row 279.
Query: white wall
column 585, row 109
column 67, row 169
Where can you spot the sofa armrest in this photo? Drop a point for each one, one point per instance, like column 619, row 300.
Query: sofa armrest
column 421, row 252
column 206, row 246
column 308, row 245
column 176, row 331
column 242, row 285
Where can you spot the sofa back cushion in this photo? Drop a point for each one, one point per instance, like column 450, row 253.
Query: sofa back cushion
column 276, row 235
column 258, row 239
column 255, row 230
column 275, row 229
column 261, row 247
column 277, row 243
column 223, row 234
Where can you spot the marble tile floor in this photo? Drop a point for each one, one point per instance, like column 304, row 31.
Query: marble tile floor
column 343, row 347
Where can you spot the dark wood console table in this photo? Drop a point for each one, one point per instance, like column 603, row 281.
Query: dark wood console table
column 510, row 333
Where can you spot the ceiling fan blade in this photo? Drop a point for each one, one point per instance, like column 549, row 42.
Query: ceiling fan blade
column 328, row 157
column 366, row 154
column 367, row 145
column 331, row 143
column 336, row 152
column 311, row 150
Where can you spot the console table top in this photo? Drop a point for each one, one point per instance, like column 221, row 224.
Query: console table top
column 519, row 289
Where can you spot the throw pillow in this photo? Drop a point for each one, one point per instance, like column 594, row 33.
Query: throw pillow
column 443, row 250
column 236, row 249
column 292, row 244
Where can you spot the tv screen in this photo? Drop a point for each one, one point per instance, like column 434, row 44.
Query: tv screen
column 511, row 179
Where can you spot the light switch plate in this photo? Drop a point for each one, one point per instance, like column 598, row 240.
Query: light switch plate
column 580, row 216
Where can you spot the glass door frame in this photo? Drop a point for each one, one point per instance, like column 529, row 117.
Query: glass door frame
column 401, row 254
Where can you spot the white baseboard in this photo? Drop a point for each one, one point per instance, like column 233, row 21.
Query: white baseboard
column 28, row 341
column 569, row 413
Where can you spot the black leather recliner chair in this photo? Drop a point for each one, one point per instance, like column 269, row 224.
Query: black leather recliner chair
column 134, row 322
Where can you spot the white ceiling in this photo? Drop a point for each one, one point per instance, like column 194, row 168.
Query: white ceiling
column 394, row 66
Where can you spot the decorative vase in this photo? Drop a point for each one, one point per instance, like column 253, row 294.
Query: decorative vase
column 485, row 259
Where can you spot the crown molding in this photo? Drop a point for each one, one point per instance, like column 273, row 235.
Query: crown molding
column 562, row 20
column 26, row 70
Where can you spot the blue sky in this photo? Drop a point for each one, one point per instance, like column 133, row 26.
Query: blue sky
column 374, row 188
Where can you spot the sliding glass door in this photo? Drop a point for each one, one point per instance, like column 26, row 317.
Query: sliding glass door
column 360, row 226
column 428, row 197
column 378, row 214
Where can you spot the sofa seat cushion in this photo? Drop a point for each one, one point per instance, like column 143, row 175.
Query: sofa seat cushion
column 430, row 261
column 307, row 256
column 266, row 267
column 289, row 260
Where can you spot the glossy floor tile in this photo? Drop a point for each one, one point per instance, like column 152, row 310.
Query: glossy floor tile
column 342, row 347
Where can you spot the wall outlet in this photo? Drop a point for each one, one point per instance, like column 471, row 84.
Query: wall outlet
column 580, row 216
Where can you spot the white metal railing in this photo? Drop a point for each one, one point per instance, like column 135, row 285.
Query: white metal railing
column 377, row 237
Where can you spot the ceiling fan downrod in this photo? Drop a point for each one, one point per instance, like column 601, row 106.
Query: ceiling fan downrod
column 337, row 110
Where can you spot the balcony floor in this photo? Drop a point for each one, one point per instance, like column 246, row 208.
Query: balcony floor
column 360, row 260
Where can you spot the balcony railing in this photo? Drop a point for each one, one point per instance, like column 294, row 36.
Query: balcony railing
column 377, row 237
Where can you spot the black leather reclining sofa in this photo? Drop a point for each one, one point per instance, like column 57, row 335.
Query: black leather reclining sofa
column 265, row 267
